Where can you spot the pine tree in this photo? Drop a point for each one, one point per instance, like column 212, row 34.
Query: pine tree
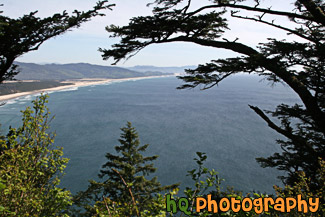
column 27, row 33
column 127, row 183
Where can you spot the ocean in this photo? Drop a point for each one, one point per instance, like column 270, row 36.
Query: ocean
column 176, row 124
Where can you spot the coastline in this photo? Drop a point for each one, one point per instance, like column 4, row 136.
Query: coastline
column 74, row 83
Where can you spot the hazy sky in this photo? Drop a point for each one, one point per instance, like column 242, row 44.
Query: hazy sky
column 81, row 45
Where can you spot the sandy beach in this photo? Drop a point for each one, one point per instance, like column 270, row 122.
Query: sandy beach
column 74, row 83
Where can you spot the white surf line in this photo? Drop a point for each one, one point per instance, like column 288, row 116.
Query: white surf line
column 76, row 83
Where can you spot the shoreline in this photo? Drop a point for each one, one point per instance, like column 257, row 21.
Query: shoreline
column 74, row 83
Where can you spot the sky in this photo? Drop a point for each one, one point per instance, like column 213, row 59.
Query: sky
column 81, row 45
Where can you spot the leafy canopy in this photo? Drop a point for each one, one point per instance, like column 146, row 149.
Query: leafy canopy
column 27, row 33
column 31, row 167
column 300, row 64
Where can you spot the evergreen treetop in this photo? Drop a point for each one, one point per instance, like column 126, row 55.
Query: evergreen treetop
column 128, row 183
column 133, row 167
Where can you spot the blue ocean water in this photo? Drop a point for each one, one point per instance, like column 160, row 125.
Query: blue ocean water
column 176, row 124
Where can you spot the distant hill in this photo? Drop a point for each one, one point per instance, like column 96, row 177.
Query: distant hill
column 18, row 87
column 32, row 71
column 172, row 70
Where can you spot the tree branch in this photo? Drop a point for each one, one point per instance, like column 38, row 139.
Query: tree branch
column 262, row 10
column 109, row 212
column 129, row 188
column 309, row 101
column 276, row 26
column 234, row 46
column 316, row 11
column 279, row 129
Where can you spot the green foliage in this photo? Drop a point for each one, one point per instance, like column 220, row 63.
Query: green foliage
column 299, row 63
column 27, row 33
column 208, row 182
column 302, row 187
column 126, row 191
column 204, row 180
column 157, row 208
column 30, row 167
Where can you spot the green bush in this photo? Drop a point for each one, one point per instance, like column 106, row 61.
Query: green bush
column 30, row 167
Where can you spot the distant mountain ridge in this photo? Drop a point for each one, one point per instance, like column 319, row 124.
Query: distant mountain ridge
column 171, row 69
column 32, row 71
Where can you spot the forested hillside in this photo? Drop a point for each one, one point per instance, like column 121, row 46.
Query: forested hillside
column 31, row 71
